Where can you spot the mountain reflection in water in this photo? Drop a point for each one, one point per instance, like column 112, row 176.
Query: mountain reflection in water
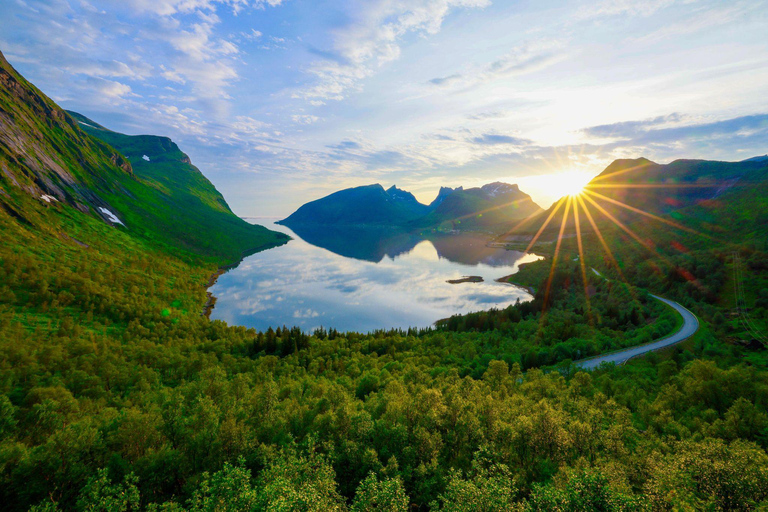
column 362, row 279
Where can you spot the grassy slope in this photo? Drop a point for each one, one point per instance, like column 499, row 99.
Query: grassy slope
column 169, row 202
column 172, row 203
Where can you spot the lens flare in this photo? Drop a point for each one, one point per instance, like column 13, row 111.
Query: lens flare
column 570, row 183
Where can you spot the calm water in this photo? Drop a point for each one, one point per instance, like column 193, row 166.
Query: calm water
column 361, row 280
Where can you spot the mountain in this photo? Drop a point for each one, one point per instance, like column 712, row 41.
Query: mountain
column 44, row 153
column 63, row 160
column 180, row 203
column 692, row 192
column 490, row 207
column 442, row 194
column 366, row 205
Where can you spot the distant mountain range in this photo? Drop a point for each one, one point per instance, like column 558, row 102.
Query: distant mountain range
column 489, row 207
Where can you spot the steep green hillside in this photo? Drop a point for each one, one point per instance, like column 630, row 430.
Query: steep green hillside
column 633, row 190
column 173, row 203
column 46, row 155
column 43, row 152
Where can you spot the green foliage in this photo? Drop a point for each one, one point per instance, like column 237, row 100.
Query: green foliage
column 489, row 488
column 333, row 419
column 227, row 490
column 299, row 483
column 375, row 494
column 100, row 495
column 711, row 475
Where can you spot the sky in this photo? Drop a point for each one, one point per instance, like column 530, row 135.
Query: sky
column 280, row 102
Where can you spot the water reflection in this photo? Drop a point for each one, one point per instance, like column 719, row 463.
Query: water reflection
column 362, row 280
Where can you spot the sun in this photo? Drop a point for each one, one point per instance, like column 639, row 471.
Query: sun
column 569, row 183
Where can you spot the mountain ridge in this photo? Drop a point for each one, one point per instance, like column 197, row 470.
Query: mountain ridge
column 629, row 190
column 485, row 207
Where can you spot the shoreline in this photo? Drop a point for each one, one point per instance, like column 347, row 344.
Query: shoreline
column 506, row 280
column 210, row 301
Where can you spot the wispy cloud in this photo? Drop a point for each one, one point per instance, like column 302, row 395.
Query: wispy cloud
column 606, row 8
column 172, row 7
column 627, row 129
column 524, row 59
column 372, row 39
column 495, row 139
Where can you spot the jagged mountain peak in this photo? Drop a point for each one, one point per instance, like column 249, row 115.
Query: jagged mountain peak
column 442, row 194
column 499, row 188
column 399, row 194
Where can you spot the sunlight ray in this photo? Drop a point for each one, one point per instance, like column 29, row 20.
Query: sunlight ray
column 577, row 222
column 655, row 185
column 557, row 252
column 546, row 223
column 519, row 225
column 608, row 251
column 622, row 171
column 642, row 212
column 490, row 209
column 681, row 271
column 626, row 229
column 599, row 234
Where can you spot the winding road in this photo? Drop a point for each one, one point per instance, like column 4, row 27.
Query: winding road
column 689, row 328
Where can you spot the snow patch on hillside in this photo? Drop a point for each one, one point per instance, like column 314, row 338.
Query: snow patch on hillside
column 47, row 198
column 145, row 157
column 111, row 217
column 86, row 124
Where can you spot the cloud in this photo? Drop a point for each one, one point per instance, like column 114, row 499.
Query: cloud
column 630, row 128
column 446, row 80
column 728, row 132
column 673, row 131
column 495, row 114
column 372, row 39
column 304, row 119
column 607, row 8
column 524, row 59
column 171, row 7
column 346, row 145
column 494, row 139
column 109, row 89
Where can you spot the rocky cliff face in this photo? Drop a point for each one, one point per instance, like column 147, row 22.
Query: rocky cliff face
column 45, row 153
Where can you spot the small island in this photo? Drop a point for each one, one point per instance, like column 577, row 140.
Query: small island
column 466, row 279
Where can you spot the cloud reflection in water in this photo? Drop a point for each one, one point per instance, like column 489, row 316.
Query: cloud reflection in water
column 309, row 286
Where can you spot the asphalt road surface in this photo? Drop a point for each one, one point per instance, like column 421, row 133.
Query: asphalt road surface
column 690, row 326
